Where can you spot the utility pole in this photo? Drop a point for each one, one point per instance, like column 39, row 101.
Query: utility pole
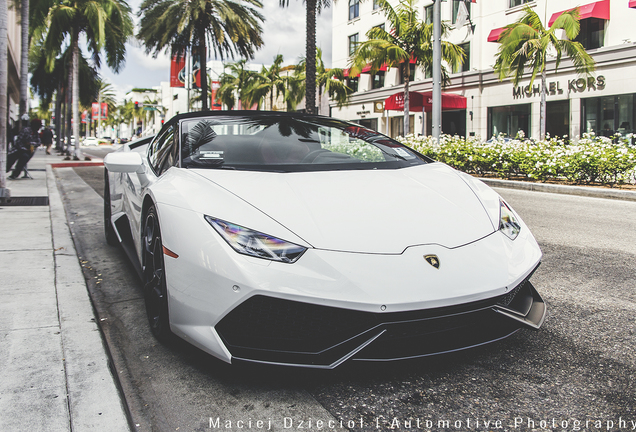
column 437, row 69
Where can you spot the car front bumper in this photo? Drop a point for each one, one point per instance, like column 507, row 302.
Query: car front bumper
column 330, row 306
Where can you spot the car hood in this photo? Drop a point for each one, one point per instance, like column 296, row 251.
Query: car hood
column 365, row 211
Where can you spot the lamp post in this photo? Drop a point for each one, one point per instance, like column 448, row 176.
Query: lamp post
column 437, row 70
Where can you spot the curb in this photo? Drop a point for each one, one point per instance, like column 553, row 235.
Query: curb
column 94, row 398
column 585, row 191
column 75, row 164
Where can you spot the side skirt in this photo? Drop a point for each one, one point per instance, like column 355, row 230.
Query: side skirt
column 122, row 227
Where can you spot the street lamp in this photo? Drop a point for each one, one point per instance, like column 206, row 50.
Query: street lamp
column 437, row 70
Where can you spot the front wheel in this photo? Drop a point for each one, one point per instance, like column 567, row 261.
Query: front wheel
column 154, row 278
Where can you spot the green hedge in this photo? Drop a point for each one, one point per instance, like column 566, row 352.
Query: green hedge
column 590, row 160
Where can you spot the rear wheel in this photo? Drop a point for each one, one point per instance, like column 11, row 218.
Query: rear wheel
column 154, row 275
column 109, row 231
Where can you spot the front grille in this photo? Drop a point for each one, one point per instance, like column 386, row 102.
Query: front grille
column 275, row 330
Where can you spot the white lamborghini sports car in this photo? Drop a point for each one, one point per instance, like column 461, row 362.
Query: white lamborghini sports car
column 309, row 241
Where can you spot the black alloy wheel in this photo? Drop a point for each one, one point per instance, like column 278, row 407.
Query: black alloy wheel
column 154, row 278
column 109, row 231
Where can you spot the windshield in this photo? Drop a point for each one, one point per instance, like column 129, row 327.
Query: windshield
column 287, row 143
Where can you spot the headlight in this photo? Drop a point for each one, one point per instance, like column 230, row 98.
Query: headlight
column 253, row 243
column 508, row 223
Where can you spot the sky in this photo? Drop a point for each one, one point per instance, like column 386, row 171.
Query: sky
column 283, row 33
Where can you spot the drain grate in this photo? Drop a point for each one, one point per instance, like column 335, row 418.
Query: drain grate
column 25, row 201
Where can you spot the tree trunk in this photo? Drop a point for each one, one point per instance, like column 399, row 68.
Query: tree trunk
column 4, row 192
column 543, row 106
column 407, row 104
column 310, row 73
column 271, row 100
column 58, row 117
column 24, row 57
column 76, row 117
column 68, row 113
column 204, row 72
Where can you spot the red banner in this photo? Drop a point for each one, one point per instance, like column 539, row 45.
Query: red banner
column 96, row 113
column 214, row 88
column 178, row 72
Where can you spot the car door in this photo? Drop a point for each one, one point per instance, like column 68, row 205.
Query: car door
column 161, row 156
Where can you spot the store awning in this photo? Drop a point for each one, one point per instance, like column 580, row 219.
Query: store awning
column 632, row 4
column 450, row 101
column 419, row 102
column 367, row 68
column 494, row 34
column 396, row 102
column 599, row 9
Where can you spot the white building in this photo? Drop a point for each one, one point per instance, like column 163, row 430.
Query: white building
column 604, row 104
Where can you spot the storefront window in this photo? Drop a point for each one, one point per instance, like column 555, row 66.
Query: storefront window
column 509, row 120
column 609, row 114
column 397, row 125
column 368, row 123
column 558, row 118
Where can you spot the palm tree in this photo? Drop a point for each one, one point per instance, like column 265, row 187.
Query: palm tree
column 268, row 81
column 107, row 96
column 49, row 82
column 24, row 56
column 408, row 41
column 527, row 43
column 237, row 82
column 312, row 7
column 331, row 81
column 107, row 25
column 224, row 26
column 3, row 95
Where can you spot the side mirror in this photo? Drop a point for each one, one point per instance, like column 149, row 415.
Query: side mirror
column 124, row 162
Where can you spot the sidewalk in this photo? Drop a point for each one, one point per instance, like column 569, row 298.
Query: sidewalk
column 54, row 368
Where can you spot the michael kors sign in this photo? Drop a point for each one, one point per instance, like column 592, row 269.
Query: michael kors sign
column 575, row 86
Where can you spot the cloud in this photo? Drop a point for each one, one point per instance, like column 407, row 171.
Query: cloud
column 283, row 33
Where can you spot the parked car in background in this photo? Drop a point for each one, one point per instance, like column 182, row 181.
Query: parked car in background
column 105, row 140
column 90, row 141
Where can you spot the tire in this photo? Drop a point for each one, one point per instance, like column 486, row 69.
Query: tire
column 109, row 231
column 154, row 278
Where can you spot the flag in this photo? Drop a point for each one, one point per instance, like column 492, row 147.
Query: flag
column 462, row 15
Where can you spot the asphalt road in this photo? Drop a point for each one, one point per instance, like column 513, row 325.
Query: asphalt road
column 577, row 373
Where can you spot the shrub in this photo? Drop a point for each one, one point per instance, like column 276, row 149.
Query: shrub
column 589, row 159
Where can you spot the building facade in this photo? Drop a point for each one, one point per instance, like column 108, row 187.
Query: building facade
column 604, row 103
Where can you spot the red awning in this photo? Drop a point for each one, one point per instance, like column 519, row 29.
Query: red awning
column 396, row 102
column 494, row 34
column 632, row 3
column 424, row 102
column 367, row 68
column 450, row 101
column 599, row 9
